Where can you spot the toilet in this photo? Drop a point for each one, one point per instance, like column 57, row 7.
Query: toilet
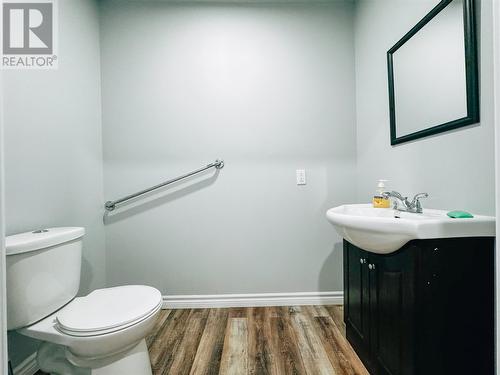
column 102, row 333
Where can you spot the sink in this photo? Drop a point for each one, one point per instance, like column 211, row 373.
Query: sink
column 385, row 230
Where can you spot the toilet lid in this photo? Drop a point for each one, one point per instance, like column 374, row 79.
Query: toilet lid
column 104, row 309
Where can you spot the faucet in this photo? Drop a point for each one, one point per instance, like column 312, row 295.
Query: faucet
column 403, row 204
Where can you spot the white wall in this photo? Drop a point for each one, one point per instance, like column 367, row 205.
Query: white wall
column 269, row 88
column 496, row 44
column 3, row 304
column 455, row 168
column 53, row 148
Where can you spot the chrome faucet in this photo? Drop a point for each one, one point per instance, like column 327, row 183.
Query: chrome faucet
column 403, row 204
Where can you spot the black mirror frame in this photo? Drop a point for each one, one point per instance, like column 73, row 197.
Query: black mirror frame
column 471, row 70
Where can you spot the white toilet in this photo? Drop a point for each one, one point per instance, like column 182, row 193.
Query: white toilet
column 100, row 334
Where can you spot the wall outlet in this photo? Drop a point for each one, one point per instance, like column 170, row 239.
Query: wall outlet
column 301, row 176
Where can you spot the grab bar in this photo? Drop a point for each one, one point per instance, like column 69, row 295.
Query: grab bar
column 111, row 205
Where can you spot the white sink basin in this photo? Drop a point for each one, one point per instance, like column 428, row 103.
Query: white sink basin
column 378, row 230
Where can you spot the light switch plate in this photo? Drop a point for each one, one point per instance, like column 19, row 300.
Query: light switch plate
column 301, row 176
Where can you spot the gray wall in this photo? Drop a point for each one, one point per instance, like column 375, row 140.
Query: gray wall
column 53, row 148
column 456, row 168
column 269, row 88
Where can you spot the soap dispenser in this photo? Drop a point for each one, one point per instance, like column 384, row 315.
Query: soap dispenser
column 379, row 200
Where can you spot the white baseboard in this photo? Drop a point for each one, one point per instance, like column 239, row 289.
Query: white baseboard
column 27, row 367
column 252, row 300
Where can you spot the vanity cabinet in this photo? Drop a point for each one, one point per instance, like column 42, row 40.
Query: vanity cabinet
column 427, row 308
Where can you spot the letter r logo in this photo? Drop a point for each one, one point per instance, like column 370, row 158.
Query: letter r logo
column 27, row 28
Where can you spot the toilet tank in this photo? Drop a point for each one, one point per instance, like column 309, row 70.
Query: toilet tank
column 43, row 273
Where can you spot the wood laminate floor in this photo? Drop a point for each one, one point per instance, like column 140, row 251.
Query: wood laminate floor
column 259, row 340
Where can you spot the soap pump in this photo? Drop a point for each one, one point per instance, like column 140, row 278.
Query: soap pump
column 379, row 200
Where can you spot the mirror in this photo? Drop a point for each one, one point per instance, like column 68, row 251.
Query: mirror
column 433, row 79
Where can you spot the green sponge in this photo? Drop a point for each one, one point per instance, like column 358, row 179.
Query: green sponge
column 459, row 214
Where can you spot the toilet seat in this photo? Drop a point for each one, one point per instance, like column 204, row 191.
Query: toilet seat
column 108, row 310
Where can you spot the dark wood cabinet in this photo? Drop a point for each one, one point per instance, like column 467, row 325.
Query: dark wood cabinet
column 423, row 310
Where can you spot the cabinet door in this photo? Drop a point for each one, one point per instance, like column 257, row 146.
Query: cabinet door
column 356, row 285
column 456, row 338
column 392, row 282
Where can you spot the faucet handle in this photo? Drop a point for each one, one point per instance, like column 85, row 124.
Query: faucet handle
column 395, row 194
column 416, row 201
column 419, row 196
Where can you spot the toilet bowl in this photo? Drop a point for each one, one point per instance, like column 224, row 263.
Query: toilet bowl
column 102, row 333
column 98, row 329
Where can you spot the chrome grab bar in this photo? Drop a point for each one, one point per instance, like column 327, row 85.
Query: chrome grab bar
column 111, row 205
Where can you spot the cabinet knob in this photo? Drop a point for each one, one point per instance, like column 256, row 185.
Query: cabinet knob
column 362, row 260
column 371, row 266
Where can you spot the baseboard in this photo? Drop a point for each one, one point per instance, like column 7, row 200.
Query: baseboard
column 27, row 367
column 252, row 300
